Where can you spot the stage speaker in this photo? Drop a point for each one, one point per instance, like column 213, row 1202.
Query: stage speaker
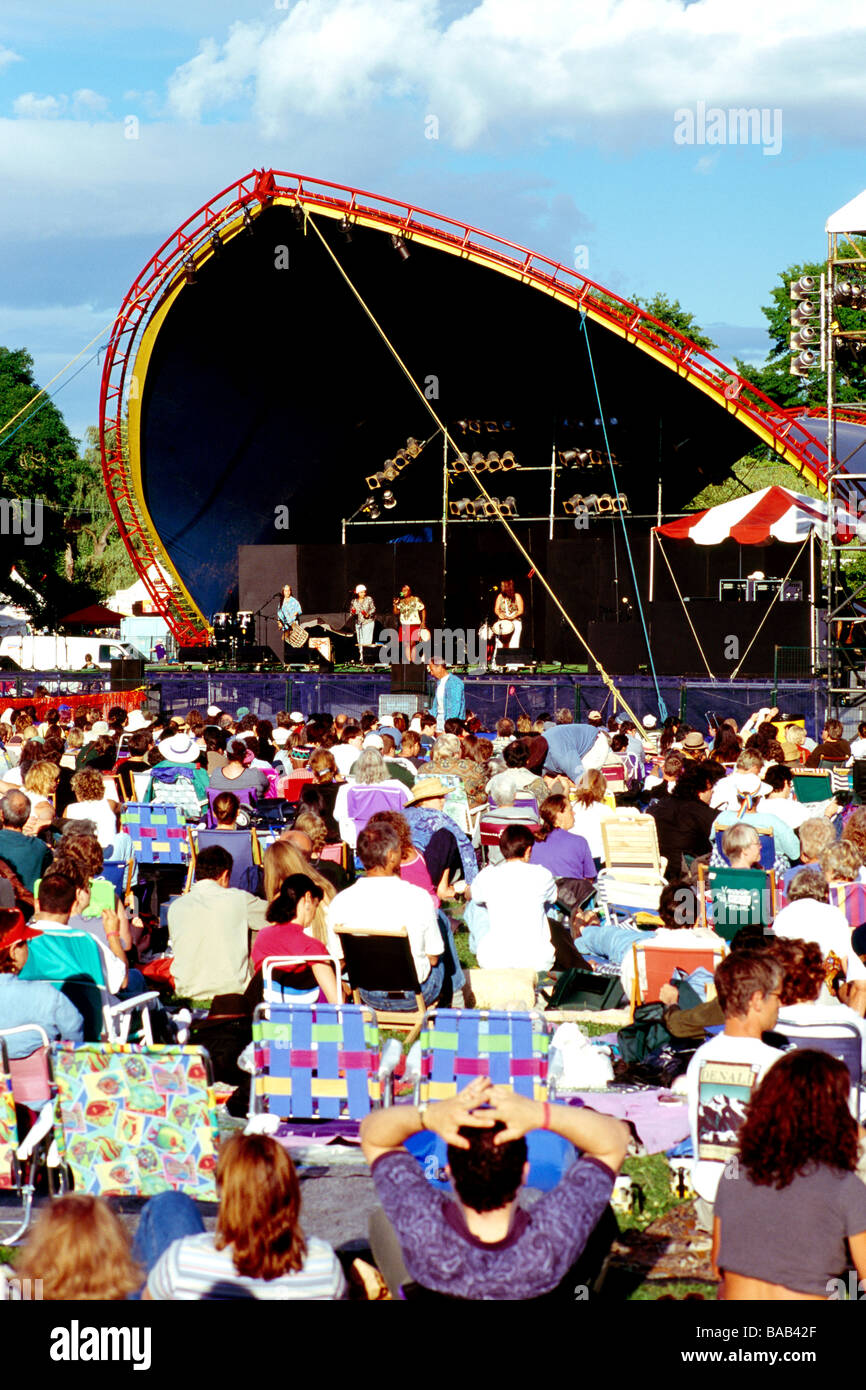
column 203, row 653
column 127, row 673
column 514, row 656
column 792, row 592
column 732, row 590
column 409, row 676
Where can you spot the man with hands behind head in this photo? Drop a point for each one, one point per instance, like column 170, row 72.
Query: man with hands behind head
column 484, row 1245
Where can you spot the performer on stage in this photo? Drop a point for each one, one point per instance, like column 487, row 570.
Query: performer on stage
column 287, row 616
column 411, row 612
column 508, row 608
column 363, row 610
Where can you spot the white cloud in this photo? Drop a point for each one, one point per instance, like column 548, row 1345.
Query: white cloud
column 30, row 107
column 577, row 62
column 86, row 102
column 7, row 57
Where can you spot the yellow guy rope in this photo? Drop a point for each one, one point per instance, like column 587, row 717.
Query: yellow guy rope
column 482, row 489
column 683, row 602
column 33, row 399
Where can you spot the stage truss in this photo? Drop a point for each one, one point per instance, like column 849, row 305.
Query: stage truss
column 234, row 209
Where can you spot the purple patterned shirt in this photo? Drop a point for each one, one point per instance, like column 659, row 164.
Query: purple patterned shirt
column 442, row 1254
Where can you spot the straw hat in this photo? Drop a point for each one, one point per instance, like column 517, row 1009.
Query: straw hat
column 136, row 721
column 179, row 749
column 427, row 790
column 694, row 743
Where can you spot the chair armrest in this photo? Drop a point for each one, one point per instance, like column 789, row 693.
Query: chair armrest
column 392, row 1054
column 412, row 1070
column 26, row 1028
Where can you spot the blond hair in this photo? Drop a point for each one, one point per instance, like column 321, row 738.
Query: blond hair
column 80, row 1250
column 42, row 778
column 282, row 859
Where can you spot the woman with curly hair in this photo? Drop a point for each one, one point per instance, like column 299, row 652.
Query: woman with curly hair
column 787, row 1209
column 92, row 804
column 804, row 973
column 258, row 1249
column 79, row 1251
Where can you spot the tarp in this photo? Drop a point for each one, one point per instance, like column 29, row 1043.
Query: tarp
column 771, row 514
column 850, row 218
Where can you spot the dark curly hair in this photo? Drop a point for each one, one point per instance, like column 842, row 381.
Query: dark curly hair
column 799, row 1117
column 803, row 972
column 855, row 829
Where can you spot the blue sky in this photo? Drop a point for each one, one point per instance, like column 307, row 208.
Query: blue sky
column 556, row 123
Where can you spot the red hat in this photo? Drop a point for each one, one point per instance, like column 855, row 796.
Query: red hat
column 13, row 928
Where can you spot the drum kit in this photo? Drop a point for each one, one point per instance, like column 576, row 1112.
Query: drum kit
column 232, row 631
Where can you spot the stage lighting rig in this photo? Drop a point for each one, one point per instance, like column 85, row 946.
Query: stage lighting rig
column 807, row 339
column 346, row 228
column 400, row 247
column 389, row 501
column 189, row 269
column 493, row 461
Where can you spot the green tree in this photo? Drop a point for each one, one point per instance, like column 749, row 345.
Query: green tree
column 671, row 312
column 774, row 378
column 97, row 556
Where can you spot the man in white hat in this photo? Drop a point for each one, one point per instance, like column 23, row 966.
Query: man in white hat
column 363, row 610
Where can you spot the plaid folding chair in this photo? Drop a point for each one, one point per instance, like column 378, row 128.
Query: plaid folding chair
column 157, row 835
column 457, row 1045
column 318, row 1069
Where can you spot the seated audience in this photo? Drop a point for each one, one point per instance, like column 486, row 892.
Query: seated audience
column 815, row 835
column 792, row 1208
column 209, row 928
column 79, row 1251
column 289, row 915
column 258, row 1249
column 30, row 1001
column 514, row 931
column 237, row 774
column 25, row 854
column 565, row 854
column 485, row 1245
column 381, row 901
column 92, row 804
column 724, row 1071
column 445, row 846
column 684, row 820
column 810, row 917
column 833, row 748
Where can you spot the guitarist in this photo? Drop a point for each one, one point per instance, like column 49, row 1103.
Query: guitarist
column 288, row 613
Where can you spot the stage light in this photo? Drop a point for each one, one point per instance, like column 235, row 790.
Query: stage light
column 584, row 457
column 388, row 499
column 508, row 425
column 508, row 460
column 508, row 507
column 473, row 509
column 298, row 214
column 491, row 426
column 375, row 480
column 346, row 228
column 216, row 244
column 569, row 505
column 568, row 457
column 460, row 464
column 413, row 448
column 247, row 218
column 478, row 462
column 493, row 461
column 490, row 508
column 850, row 293
column 474, row 426
column 400, row 247
column 807, row 321
column 457, row 508
column 189, row 269
column 372, row 509
column 461, row 426
column 390, row 471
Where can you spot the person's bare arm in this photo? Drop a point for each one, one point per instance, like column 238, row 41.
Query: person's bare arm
column 857, row 1246
column 326, row 980
column 853, row 993
column 714, row 1253
column 123, row 925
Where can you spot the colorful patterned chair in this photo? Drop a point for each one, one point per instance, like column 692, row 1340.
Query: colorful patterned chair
column 133, row 1121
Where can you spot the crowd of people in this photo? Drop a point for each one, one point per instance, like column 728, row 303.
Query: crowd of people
column 383, row 833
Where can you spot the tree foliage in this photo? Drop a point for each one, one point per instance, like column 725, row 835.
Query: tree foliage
column 671, row 312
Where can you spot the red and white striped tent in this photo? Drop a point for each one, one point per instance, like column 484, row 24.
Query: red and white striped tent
column 772, row 514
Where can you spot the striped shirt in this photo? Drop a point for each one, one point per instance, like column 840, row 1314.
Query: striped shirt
column 193, row 1269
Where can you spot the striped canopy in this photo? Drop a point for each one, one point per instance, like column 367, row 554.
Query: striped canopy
column 772, row 514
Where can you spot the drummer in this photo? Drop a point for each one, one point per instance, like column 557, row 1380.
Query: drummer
column 411, row 613
column 508, row 608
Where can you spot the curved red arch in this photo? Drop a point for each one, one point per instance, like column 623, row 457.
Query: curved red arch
column 736, row 395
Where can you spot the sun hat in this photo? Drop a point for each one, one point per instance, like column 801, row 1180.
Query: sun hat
column 427, row 790
column 280, row 737
column 18, row 931
column 136, row 722
column 213, row 711
column 360, row 588
column 694, row 742
column 649, row 721
column 179, row 749
column 242, row 710
column 593, row 716
column 296, row 717
column 374, row 741
column 100, row 727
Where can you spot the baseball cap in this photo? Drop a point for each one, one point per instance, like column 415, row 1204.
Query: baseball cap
column 13, row 928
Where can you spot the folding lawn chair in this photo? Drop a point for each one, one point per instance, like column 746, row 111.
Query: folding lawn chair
column 133, row 1121
column 160, row 843
column 633, row 877
column 21, row 1154
column 318, row 1069
column 768, row 848
column 840, row 1040
column 490, row 829
column 291, row 786
column 72, row 962
column 732, row 898
column 280, row 991
column 382, row 961
column 654, row 965
column 811, row 784
column 244, row 848
column 247, row 796
column 850, row 898
column 457, row 1045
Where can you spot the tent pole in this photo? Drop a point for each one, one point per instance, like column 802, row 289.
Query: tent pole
column 813, row 625
column 652, row 568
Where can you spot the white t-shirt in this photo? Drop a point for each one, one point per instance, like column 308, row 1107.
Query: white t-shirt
column 102, row 816
column 731, row 1068
column 792, row 812
column 516, row 896
column 807, row 920
column 440, row 703
column 727, row 790
column 345, row 756
column 818, row 1014
column 387, row 904
column 587, row 822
